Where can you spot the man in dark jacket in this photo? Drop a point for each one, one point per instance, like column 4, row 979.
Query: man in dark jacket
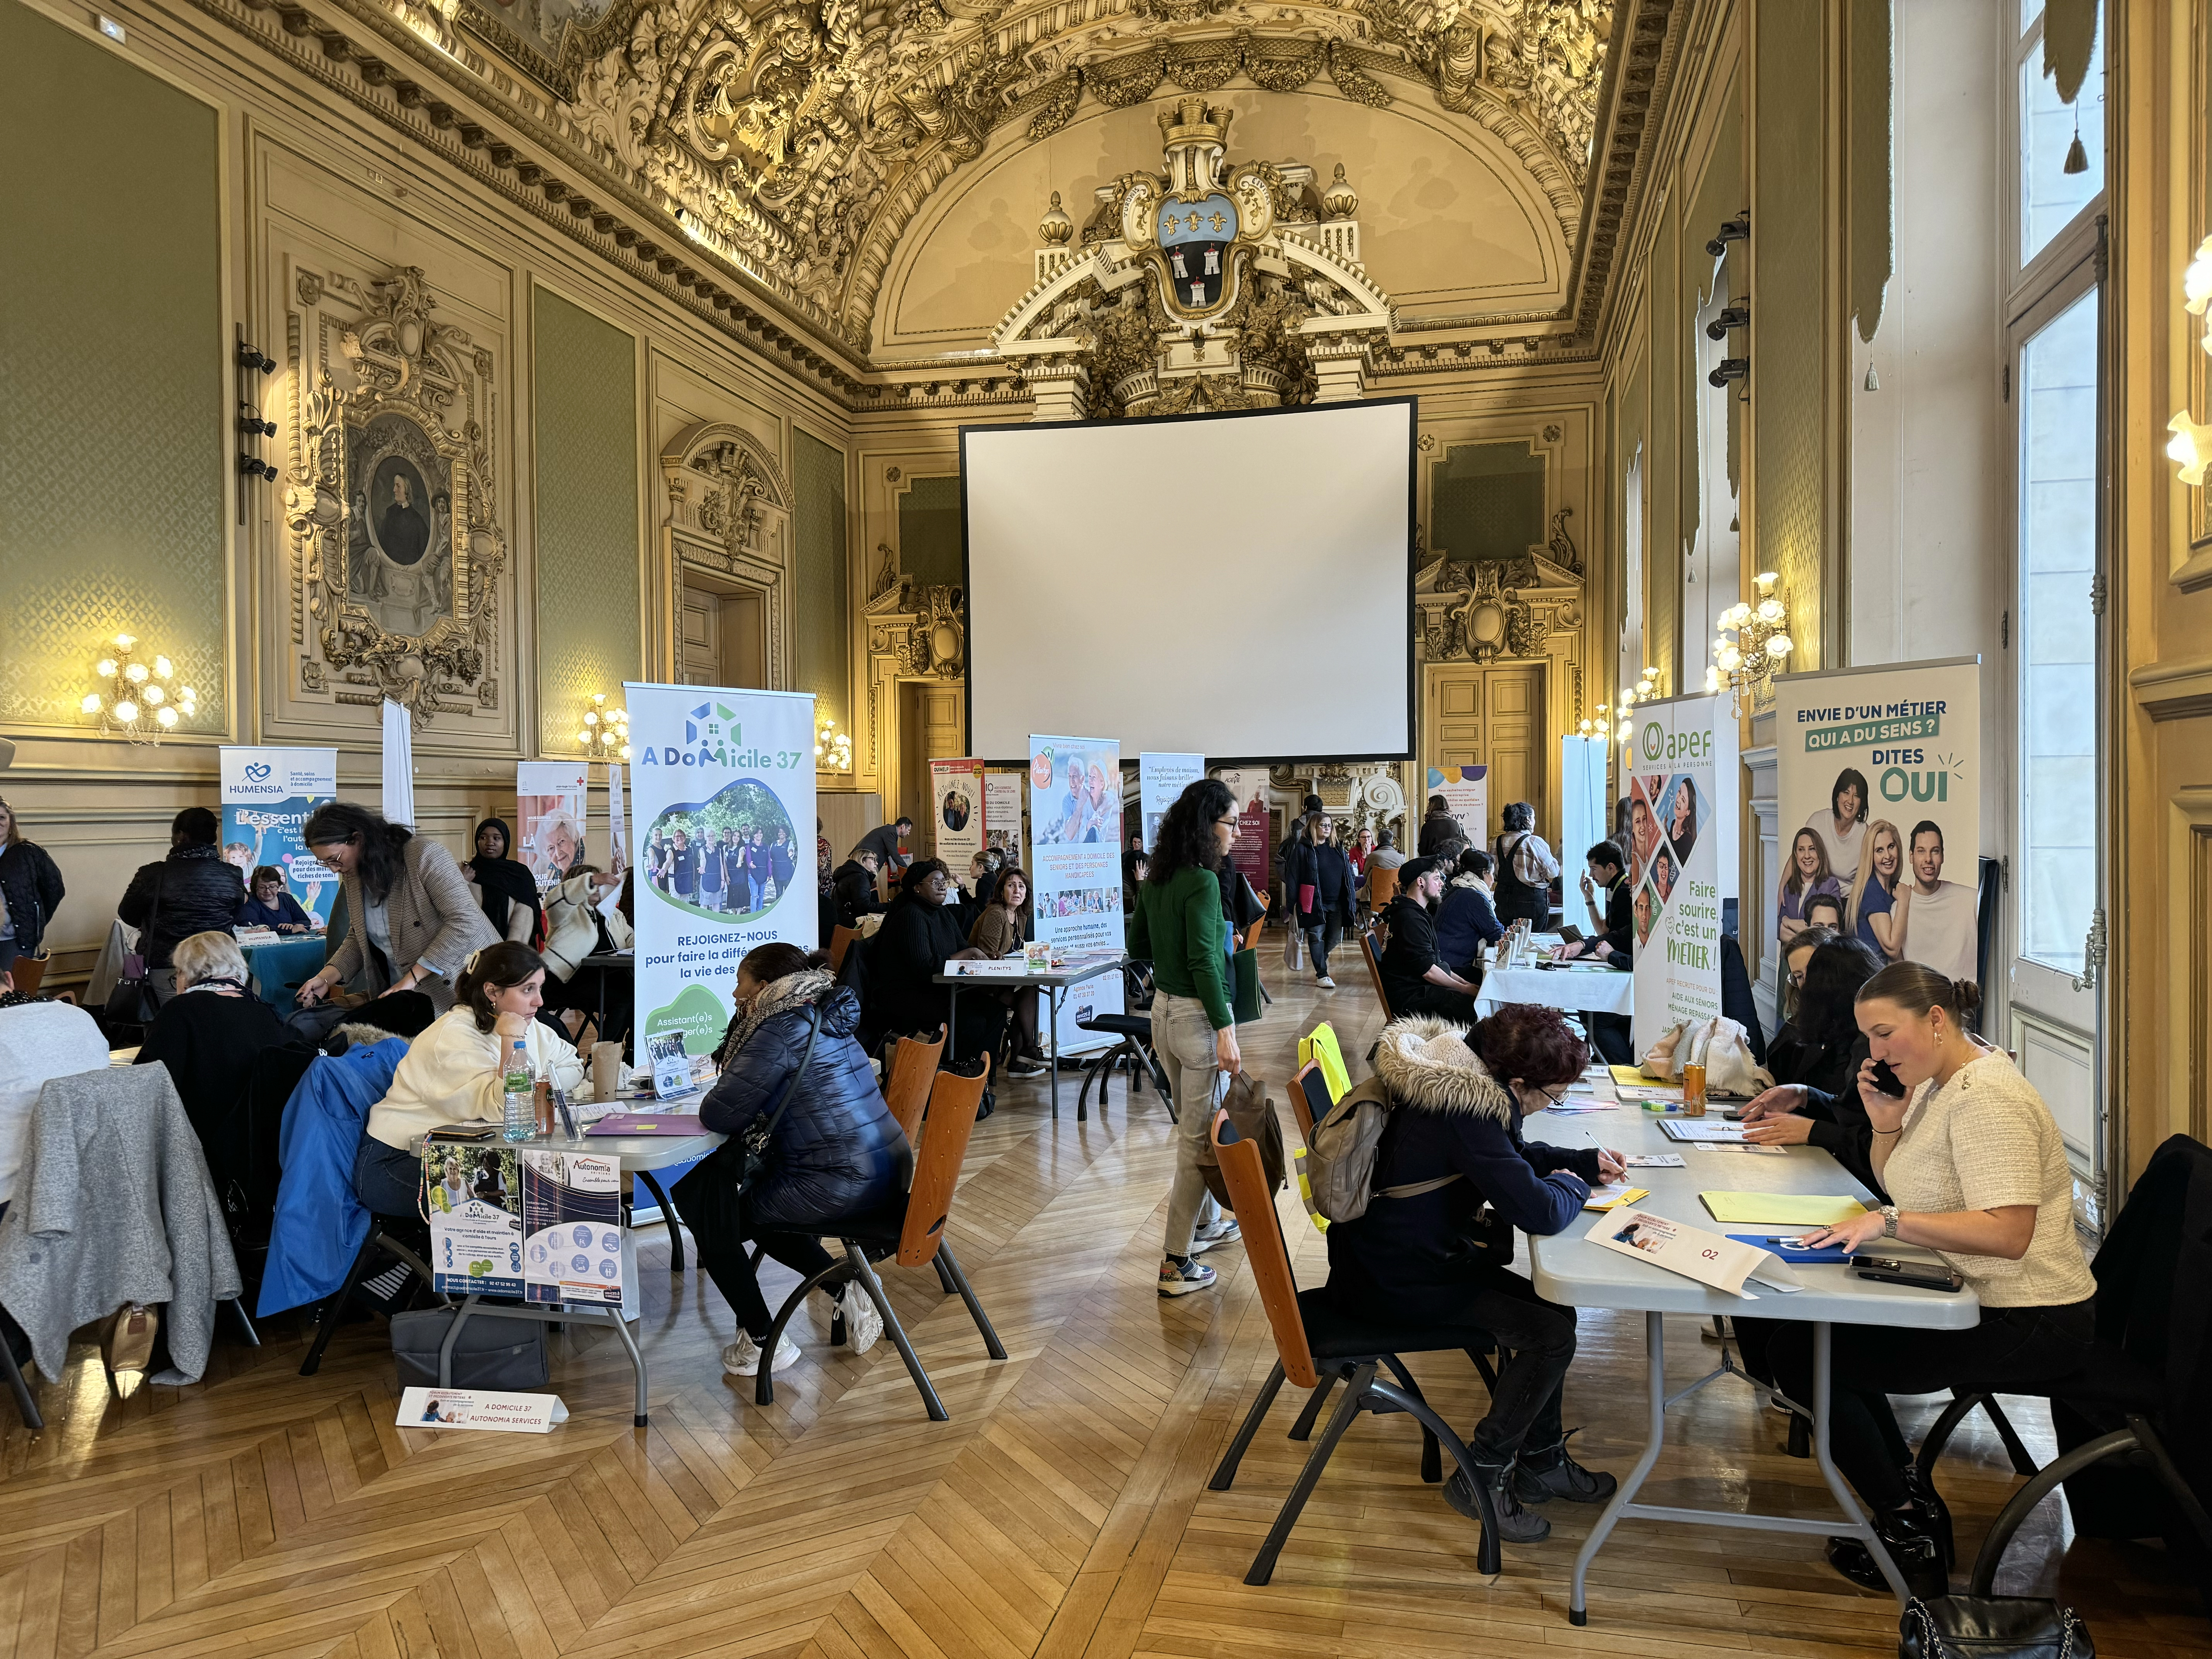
column 920, row 933
column 30, row 887
column 190, row 891
column 1438, row 827
column 1415, row 979
column 1608, row 869
column 852, row 888
column 1436, row 1257
column 883, row 841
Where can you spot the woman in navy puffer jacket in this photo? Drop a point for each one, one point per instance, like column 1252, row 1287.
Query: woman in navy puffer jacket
column 835, row 1151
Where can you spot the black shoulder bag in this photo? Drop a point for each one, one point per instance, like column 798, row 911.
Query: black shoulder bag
column 133, row 1004
column 711, row 1199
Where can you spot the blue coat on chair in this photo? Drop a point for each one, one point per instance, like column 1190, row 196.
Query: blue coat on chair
column 320, row 1222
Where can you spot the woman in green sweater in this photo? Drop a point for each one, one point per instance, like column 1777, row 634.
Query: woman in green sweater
column 1178, row 926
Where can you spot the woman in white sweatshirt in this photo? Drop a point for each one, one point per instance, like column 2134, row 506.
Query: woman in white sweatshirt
column 454, row 1072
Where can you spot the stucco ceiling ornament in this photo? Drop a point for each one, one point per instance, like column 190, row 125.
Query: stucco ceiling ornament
column 800, row 139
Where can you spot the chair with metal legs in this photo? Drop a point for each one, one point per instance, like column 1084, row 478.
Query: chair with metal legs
column 384, row 1241
column 1316, row 1347
column 911, row 1228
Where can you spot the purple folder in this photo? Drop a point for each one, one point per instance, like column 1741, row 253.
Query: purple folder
column 672, row 1124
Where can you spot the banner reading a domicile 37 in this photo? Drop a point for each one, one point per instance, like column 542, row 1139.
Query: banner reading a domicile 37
column 548, row 816
column 1675, row 869
column 1160, row 779
column 722, row 797
column 1075, row 870
column 1879, row 788
column 267, row 794
column 955, row 801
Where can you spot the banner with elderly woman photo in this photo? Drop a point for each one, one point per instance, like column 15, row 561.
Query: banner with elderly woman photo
column 1075, row 870
column 1879, row 788
column 548, row 803
column 722, row 784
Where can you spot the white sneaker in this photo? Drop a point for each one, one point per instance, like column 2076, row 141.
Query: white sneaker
column 742, row 1358
column 1325, row 983
column 1226, row 1231
column 864, row 1325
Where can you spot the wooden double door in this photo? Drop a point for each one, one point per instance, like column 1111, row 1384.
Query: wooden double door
column 1491, row 714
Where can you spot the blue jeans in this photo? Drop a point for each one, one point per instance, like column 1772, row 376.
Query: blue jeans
column 387, row 1179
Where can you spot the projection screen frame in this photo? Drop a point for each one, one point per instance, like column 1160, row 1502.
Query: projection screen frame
column 1413, row 571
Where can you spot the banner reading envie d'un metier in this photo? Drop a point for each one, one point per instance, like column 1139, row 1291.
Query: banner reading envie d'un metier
column 1075, row 870
column 1674, row 857
column 267, row 794
column 1879, row 788
column 722, row 798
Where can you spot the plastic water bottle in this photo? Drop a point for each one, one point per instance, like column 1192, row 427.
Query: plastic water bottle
column 519, row 1113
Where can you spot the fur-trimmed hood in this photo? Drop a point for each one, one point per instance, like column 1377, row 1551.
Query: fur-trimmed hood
column 358, row 1034
column 1469, row 881
column 1425, row 1064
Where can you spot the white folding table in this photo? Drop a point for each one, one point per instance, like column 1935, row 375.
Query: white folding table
column 1573, row 990
column 1571, row 1270
column 638, row 1155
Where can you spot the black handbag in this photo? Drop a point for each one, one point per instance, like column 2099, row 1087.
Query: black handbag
column 711, row 1197
column 1992, row 1627
column 132, row 1002
column 499, row 1355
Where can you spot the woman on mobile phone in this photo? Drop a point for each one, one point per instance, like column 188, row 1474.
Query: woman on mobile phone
column 1977, row 1172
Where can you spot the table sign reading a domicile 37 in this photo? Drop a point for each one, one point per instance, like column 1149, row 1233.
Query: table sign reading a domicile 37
column 474, row 1408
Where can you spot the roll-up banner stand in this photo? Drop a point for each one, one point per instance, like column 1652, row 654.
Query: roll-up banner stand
column 1251, row 854
column 1075, row 870
column 1583, row 808
column 1002, row 813
column 267, row 794
column 1160, row 779
column 1465, row 790
column 1879, row 790
column 549, row 817
column 957, row 813
column 1682, row 818
column 721, row 774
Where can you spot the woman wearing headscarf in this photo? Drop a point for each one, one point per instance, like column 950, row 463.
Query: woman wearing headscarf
column 505, row 887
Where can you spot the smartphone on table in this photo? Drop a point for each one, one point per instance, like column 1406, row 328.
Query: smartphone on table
column 1921, row 1275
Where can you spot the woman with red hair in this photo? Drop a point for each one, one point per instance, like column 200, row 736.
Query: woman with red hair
column 1454, row 1177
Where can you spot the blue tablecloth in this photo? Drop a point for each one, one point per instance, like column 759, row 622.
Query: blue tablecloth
column 279, row 969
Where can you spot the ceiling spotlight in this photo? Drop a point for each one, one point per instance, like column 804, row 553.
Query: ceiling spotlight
column 252, row 423
column 250, row 357
column 254, row 467
column 1735, row 230
column 1728, row 368
column 1735, row 316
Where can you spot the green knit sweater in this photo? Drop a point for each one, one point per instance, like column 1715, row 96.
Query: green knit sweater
column 1179, row 927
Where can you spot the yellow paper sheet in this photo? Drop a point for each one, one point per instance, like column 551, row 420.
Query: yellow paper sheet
column 1783, row 1209
column 1630, row 1076
column 1602, row 1198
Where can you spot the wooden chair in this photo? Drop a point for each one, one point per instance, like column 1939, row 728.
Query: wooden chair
column 1317, row 1345
column 841, row 941
column 1382, row 886
column 914, row 1068
column 1249, row 940
column 1369, row 955
column 1309, row 1098
column 912, row 1228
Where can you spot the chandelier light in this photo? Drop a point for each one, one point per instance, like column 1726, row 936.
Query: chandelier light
column 833, row 749
column 1752, row 644
column 138, row 699
column 2189, row 449
column 605, row 735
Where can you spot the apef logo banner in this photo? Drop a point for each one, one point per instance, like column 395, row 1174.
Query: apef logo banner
column 267, row 794
column 721, row 802
column 1682, row 859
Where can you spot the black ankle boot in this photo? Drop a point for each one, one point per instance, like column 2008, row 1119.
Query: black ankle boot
column 1911, row 1542
column 1936, row 1513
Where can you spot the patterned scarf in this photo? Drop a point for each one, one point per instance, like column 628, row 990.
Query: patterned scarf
column 792, row 991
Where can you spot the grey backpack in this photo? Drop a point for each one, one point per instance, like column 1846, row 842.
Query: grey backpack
column 1342, row 1152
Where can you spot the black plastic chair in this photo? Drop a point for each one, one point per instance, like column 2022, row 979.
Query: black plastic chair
column 2146, row 1388
column 404, row 1241
column 1134, row 1051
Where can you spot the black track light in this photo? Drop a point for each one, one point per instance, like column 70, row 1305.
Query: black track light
column 1735, row 230
column 1730, row 369
column 250, row 357
column 254, row 467
column 1730, row 317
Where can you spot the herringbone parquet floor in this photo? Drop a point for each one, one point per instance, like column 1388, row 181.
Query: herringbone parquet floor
column 1062, row 1513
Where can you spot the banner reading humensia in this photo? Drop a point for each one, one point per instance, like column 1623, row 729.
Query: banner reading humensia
column 1075, row 870
column 1879, row 788
column 267, row 794
column 1674, row 861
column 722, row 801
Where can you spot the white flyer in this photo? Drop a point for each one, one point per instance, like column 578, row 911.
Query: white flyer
column 473, row 1408
column 1710, row 1258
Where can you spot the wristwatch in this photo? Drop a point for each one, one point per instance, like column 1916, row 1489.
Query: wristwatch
column 1889, row 1221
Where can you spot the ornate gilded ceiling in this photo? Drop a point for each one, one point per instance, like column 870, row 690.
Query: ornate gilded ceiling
column 770, row 158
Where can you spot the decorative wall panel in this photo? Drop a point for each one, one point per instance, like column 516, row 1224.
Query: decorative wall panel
column 585, row 378
column 929, row 532
column 113, row 377
column 821, row 629
column 1487, row 503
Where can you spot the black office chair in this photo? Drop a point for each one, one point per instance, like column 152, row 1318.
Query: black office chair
column 1134, row 1051
column 2135, row 1424
column 404, row 1242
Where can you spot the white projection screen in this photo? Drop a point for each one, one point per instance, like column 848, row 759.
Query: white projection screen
column 1239, row 586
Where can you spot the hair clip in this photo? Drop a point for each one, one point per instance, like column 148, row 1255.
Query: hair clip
column 470, row 966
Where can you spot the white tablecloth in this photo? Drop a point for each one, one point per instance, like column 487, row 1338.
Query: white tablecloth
column 1594, row 991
